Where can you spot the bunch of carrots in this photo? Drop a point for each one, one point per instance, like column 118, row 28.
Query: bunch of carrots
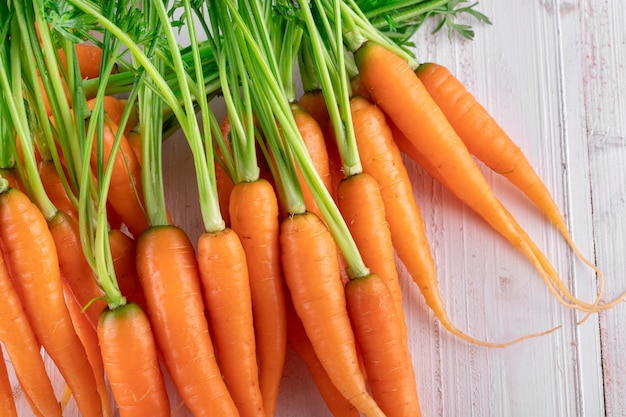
column 307, row 208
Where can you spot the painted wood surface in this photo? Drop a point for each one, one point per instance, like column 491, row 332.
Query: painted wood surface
column 553, row 75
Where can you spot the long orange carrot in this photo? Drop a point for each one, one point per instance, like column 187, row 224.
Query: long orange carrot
column 368, row 225
column 129, row 354
column 225, row 281
column 382, row 339
column 22, row 349
column 487, row 141
column 34, row 266
column 337, row 404
column 75, row 270
column 168, row 271
column 400, row 93
column 312, row 275
column 89, row 338
column 254, row 217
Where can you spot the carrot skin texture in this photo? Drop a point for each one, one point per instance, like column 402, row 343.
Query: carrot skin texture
column 169, row 276
column 75, row 270
column 254, row 217
column 226, row 288
column 381, row 339
column 337, row 404
column 54, row 188
column 33, row 260
column 368, row 225
column 130, row 358
column 22, row 349
column 312, row 274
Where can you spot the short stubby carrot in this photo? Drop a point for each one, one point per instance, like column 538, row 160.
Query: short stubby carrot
column 311, row 270
column 131, row 362
column 34, row 265
column 226, row 288
column 402, row 96
column 75, row 269
column 381, row 337
column 487, row 141
column 22, row 349
column 168, row 272
column 337, row 404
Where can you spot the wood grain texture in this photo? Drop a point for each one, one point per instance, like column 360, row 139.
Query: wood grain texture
column 553, row 75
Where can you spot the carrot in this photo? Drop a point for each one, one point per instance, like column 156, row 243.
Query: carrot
column 75, row 270
column 114, row 109
column 134, row 141
column 314, row 140
column 33, row 261
column 312, row 275
column 11, row 175
column 400, row 93
column 125, row 336
column 7, row 400
column 369, row 227
column 313, row 103
column 123, row 251
column 89, row 59
column 125, row 192
column 337, row 404
column 381, row 337
column 487, row 141
column 54, row 188
column 168, row 271
column 254, row 217
column 89, row 338
column 225, row 281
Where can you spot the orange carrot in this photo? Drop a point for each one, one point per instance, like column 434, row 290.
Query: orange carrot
column 34, row 266
column 369, row 228
column 89, row 338
column 168, row 272
column 224, row 274
column 51, row 181
column 114, row 109
column 22, row 349
column 382, row 339
column 400, row 93
column 313, row 103
column 254, row 217
column 312, row 275
column 487, row 141
column 75, row 270
column 12, row 176
column 314, row 140
column 123, row 251
column 7, row 400
column 89, row 59
column 337, row 404
column 130, row 358
column 125, row 191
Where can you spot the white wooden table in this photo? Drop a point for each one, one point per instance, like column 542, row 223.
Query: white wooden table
column 553, row 74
